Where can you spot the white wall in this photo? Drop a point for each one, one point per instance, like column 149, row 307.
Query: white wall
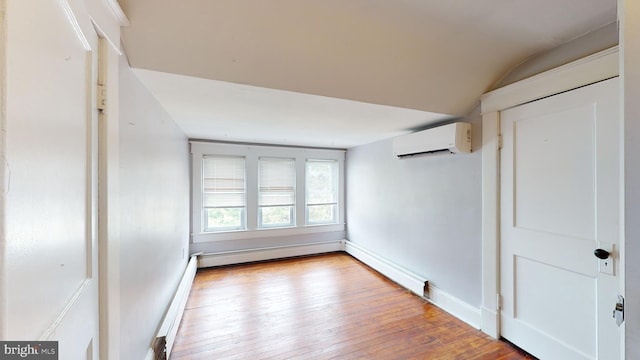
column 629, row 14
column 154, row 213
column 425, row 213
column 422, row 213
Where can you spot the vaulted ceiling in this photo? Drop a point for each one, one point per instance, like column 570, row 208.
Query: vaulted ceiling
column 336, row 73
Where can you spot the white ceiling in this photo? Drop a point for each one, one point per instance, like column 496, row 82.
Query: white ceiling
column 336, row 73
column 211, row 109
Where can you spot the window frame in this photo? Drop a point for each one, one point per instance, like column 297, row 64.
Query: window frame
column 260, row 207
column 252, row 154
column 335, row 203
column 243, row 209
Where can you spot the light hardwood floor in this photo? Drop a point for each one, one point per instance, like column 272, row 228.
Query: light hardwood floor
column 322, row 307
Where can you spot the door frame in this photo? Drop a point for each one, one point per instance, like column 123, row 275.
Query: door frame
column 597, row 67
column 4, row 167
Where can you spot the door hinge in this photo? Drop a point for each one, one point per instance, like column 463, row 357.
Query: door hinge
column 499, row 143
column 101, row 91
column 498, row 302
column 618, row 311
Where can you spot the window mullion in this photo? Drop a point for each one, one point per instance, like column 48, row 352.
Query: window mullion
column 341, row 193
column 219, row 202
column 300, row 191
column 252, row 191
column 196, row 193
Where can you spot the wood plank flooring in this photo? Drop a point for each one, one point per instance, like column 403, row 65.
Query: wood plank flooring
column 322, row 307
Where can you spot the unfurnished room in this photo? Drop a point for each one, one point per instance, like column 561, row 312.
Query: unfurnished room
column 306, row 179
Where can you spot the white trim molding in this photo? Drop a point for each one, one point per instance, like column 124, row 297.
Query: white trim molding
column 150, row 355
column 171, row 321
column 396, row 273
column 117, row 12
column 597, row 67
column 107, row 18
column 454, row 306
column 69, row 307
column 591, row 69
column 5, row 171
column 490, row 323
column 629, row 16
column 270, row 253
column 416, row 284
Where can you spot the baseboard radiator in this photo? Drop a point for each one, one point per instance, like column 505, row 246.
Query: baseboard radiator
column 416, row 284
column 269, row 253
column 403, row 277
column 163, row 342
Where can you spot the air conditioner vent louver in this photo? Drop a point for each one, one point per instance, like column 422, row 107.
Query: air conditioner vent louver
column 454, row 138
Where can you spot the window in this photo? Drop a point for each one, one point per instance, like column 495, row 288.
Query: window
column 223, row 193
column 322, row 191
column 276, row 192
column 252, row 191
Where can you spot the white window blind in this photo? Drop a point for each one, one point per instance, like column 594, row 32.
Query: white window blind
column 321, row 191
column 245, row 191
column 223, row 193
column 276, row 192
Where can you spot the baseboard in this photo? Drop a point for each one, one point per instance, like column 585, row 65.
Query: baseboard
column 454, row 306
column 405, row 278
column 150, row 355
column 180, row 302
column 171, row 321
column 396, row 273
column 447, row 302
column 272, row 253
column 490, row 322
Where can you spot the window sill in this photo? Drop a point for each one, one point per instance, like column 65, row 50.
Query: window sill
column 265, row 233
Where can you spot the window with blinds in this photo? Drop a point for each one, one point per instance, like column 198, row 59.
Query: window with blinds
column 276, row 192
column 245, row 191
column 223, row 193
column 321, row 191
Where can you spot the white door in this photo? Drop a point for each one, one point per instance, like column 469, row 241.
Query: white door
column 560, row 200
column 50, row 202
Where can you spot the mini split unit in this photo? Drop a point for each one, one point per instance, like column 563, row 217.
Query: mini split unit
column 454, row 138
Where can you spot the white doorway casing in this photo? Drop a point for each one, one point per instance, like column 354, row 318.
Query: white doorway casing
column 589, row 70
column 559, row 172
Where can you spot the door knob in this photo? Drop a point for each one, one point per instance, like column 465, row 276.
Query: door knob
column 601, row 254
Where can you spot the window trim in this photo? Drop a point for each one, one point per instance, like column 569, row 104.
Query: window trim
column 252, row 153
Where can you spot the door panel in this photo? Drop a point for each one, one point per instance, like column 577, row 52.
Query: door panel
column 542, row 287
column 51, row 151
column 560, row 197
column 538, row 206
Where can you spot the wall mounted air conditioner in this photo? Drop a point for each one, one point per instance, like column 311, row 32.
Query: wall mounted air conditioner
column 454, row 138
